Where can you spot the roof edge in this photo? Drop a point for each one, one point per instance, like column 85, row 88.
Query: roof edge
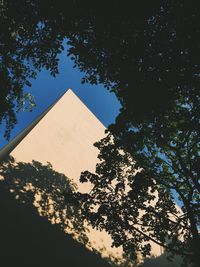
column 5, row 151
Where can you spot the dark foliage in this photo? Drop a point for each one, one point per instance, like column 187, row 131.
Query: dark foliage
column 148, row 55
column 32, row 35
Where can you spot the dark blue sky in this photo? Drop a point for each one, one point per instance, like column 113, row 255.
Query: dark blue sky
column 46, row 89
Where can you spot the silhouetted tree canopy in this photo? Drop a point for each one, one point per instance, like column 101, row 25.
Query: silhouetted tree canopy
column 32, row 34
column 148, row 55
column 139, row 179
column 157, row 132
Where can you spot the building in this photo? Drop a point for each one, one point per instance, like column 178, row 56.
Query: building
column 63, row 136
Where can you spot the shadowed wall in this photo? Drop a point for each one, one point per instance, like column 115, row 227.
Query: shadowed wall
column 30, row 240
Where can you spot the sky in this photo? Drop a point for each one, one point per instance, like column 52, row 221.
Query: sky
column 46, row 89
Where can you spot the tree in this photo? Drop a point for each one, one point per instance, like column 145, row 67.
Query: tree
column 153, row 70
column 149, row 57
column 141, row 174
column 156, row 45
column 32, row 34
column 27, row 43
